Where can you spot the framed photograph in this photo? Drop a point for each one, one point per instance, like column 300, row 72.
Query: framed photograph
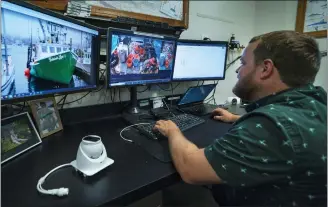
column 312, row 17
column 18, row 134
column 46, row 116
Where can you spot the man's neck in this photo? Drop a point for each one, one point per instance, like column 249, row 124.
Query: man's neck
column 267, row 91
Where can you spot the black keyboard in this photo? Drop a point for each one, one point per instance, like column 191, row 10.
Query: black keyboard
column 201, row 109
column 183, row 121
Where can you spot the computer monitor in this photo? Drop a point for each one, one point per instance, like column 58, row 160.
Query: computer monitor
column 45, row 53
column 200, row 60
column 136, row 58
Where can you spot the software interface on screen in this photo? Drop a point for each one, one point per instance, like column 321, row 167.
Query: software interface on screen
column 137, row 59
column 199, row 61
column 42, row 54
column 196, row 94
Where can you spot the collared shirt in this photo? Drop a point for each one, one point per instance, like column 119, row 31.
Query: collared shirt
column 276, row 154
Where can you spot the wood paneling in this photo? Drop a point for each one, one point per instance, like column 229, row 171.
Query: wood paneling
column 59, row 5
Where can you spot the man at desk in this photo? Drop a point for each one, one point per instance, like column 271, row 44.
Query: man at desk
column 276, row 154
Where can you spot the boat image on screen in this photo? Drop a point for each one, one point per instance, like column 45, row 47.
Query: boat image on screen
column 57, row 68
column 39, row 54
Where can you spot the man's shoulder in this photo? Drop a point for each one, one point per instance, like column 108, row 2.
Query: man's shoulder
column 295, row 125
column 263, row 114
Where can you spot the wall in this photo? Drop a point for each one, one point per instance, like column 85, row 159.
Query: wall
column 237, row 17
column 281, row 15
column 225, row 18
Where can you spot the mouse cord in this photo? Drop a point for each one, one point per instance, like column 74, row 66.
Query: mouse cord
column 59, row 191
column 128, row 140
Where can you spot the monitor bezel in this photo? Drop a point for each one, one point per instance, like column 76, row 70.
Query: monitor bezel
column 203, row 42
column 95, row 47
column 110, row 30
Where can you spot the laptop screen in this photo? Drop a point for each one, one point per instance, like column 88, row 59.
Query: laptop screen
column 196, row 94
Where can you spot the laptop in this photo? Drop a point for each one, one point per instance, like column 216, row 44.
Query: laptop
column 193, row 100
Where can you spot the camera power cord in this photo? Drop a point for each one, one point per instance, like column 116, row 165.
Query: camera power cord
column 58, row 192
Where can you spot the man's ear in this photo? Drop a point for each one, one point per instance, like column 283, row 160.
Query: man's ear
column 268, row 69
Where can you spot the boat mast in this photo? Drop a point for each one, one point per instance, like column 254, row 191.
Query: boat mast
column 30, row 48
column 43, row 31
column 4, row 40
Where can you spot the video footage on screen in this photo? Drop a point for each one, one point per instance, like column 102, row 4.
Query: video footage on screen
column 132, row 54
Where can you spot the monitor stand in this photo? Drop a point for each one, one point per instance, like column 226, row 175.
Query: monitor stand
column 134, row 109
column 133, row 112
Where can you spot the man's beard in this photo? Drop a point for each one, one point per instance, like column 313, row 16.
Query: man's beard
column 245, row 87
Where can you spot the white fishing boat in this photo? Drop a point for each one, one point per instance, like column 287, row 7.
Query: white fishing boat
column 8, row 70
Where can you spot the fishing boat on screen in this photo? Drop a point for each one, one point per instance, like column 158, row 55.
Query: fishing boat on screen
column 54, row 65
column 8, row 70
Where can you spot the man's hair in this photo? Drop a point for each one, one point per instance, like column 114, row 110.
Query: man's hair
column 295, row 55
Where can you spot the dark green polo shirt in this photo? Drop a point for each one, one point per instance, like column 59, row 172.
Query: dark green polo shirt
column 276, row 154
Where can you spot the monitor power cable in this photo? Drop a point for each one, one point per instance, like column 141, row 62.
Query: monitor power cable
column 58, row 192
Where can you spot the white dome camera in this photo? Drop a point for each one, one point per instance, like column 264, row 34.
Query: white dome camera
column 92, row 146
column 91, row 156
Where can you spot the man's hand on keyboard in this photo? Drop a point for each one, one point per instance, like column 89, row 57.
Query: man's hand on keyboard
column 224, row 115
column 167, row 128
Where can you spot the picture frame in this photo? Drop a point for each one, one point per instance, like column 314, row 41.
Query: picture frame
column 91, row 10
column 311, row 18
column 18, row 134
column 46, row 116
column 114, row 13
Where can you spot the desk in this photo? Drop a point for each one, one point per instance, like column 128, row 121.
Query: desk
column 134, row 174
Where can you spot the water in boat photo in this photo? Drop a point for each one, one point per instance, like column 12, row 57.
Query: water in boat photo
column 40, row 55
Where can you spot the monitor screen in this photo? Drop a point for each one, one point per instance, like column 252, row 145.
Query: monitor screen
column 137, row 59
column 196, row 94
column 44, row 54
column 200, row 60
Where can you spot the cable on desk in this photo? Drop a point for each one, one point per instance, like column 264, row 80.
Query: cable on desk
column 78, row 98
column 128, row 140
column 21, row 110
column 102, row 75
column 147, row 88
column 60, row 99
column 169, row 109
column 99, row 89
column 232, row 62
column 58, row 192
column 64, row 99
column 212, row 97
column 176, row 86
column 163, row 88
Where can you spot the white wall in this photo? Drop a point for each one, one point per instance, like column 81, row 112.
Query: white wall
column 234, row 17
column 281, row 15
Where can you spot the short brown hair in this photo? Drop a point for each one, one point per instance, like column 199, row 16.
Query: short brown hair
column 295, row 55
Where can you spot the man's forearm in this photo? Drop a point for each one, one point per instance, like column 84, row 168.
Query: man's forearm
column 181, row 149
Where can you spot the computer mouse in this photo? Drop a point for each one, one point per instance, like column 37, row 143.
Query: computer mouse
column 159, row 135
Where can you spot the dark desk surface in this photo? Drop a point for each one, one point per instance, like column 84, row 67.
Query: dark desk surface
column 133, row 175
